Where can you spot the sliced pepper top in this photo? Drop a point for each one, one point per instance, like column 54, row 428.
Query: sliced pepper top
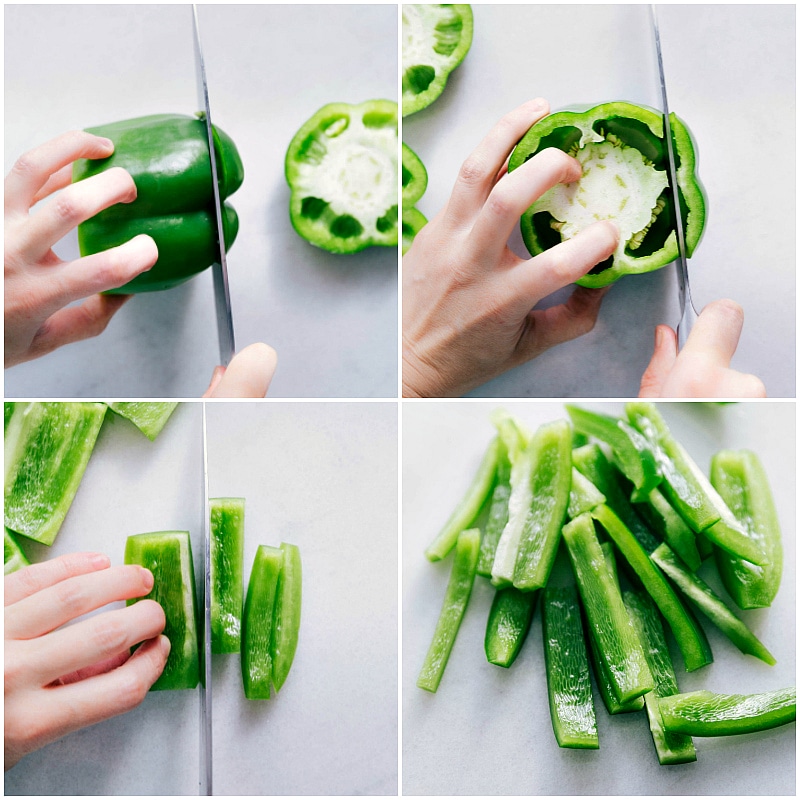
column 623, row 155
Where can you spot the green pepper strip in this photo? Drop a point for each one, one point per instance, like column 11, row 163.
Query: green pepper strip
column 709, row 714
column 14, row 557
column 456, row 598
column 690, row 636
column 469, row 507
column 703, row 596
column 632, row 451
column 671, row 748
column 742, row 482
column 498, row 510
column 286, row 617
column 168, row 555
column 47, row 448
column 583, row 495
column 688, row 489
column 620, row 649
column 149, row 417
column 508, row 624
column 602, row 678
column 258, row 621
column 227, row 573
column 662, row 517
column 551, row 450
column 567, row 665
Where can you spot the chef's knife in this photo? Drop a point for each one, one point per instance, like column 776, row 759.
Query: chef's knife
column 206, row 760
column 222, row 295
column 688, row 313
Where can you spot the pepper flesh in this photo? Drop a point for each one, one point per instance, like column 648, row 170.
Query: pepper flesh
column 286, row 625
column 167, row 157
column 341, row 167
column 435, row 40
column 415, row 177
column 168, row 555
column 47, row 448
column 742, row 482
column 14, row 557
column 567, row 666
column 459, row 588
column 149, row 417
column 413, row 222
column 227, row 569
column 709, row 714
column 624, row 157
column 508, row 624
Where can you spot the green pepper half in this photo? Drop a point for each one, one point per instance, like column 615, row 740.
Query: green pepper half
column 342, row 169
column 435, row 40
column 167, row 157
column 623, row 154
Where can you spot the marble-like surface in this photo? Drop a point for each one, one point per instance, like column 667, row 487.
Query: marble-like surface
column 320, row 475
column 736, row 99
column 332, row 319
column 487, row 730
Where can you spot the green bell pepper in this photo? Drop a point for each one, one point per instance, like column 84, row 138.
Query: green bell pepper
column 497, row 515
column 47, row 448
column 623, row 154
column 435, row 40
column 168, row 555
column 709, row 714
column 742, row 482
column 167, row 157
column 14, row 557
column 286, row 621
column 341, row 167
column 413, row 222
column 149, row 417
column 662, row 517
column 508, row 624
column 569, row 687
column 415, row 177
column 227, row 568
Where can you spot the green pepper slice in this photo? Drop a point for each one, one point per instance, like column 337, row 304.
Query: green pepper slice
column 168, row 555
column 468, row 509
column 47, row 448
column 227, row 569
column 497, row 517
column 623, row 154
column 569, row 687
column 619, row 646
column 435, row 40
column 671, row 748
column 459, row 589
column 508, row 624
column 663, row 518
column 341, row 167
column 413, row 222
column 583, row 495
column 14, row 557
column 707, row 601
column 415, row 177
column 710, row 714
column 742, row 482
column 167, row 157
column 257, row 622
column 688, row 489
column 149, row 417
column 286, row 625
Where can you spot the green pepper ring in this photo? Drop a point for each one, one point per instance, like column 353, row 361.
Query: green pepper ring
column 635, row 126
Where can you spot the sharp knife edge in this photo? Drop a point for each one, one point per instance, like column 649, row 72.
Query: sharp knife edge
column 206, row 750
column 222, row 296
column 688, row 313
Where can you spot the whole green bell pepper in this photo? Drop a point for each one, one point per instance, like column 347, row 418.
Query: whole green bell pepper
column 342, row 169
column 623, row 154
column 167, row 157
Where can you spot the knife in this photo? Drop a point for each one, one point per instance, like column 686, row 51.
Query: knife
column 219, row 269
column 206, row 752
column 688, row 313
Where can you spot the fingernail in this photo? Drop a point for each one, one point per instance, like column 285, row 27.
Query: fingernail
column 147, row 578
column 100, row 561
column 107, row 142
column 165, row 645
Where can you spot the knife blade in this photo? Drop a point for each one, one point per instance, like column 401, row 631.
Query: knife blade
column 688, row 313
column 219, row 269
column 206, row 750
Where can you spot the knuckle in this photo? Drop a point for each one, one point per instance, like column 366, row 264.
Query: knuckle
column 110, row 635
column 72, row 596
column 498, row 204
column 132, row 688
column 68, row 208
column 26, row 165
column 473, row 171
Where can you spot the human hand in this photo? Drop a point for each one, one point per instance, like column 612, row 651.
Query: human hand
column 467, row 298
column 60, row 679
column 38, row 285
column 248, row 375
column 702, row 368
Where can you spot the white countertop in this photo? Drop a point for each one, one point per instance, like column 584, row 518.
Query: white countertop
column 332, row 319
column 487, row 730
column 730, row 76
column 322, row 476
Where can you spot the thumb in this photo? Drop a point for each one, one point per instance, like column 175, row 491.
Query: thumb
column 665, row 352
column 248, row 375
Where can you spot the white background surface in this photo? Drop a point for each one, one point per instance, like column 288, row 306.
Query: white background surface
column 322, row 476
column 332, row 319
column 487, row 730
column 730, row 73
